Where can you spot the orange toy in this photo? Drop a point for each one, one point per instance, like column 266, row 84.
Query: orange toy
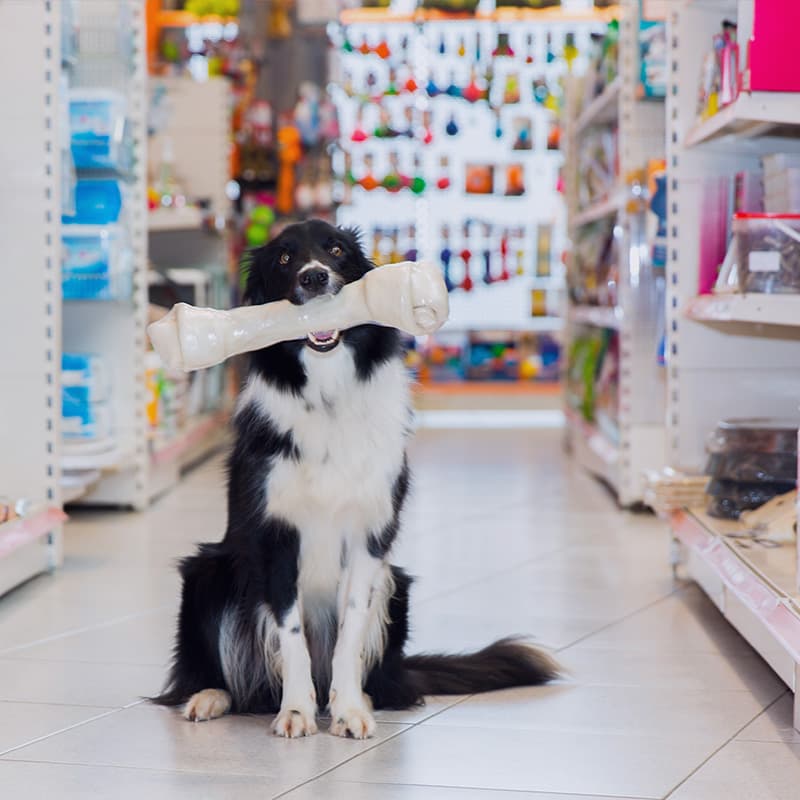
column 290, row 152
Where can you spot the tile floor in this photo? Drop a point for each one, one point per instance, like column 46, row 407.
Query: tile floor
column 663, row 699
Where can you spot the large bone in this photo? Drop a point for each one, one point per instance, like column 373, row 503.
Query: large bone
column 410, row 296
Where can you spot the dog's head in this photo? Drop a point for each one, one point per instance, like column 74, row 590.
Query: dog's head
column 304, row 261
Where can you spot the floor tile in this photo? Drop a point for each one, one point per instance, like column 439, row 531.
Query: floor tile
column 144, row 639
column 148, row 737
column 24, row 722
column 346, row 790
column 689, row 671
column 746, row 771
column 77, row 683
column 34, row 780
column 525, row 760
column 774, row 724
column 609, row 710
column 685, row 622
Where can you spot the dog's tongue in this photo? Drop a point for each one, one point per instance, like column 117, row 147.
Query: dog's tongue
column 322, row 335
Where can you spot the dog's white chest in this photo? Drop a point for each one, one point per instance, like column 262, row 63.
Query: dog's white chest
column 350, row 437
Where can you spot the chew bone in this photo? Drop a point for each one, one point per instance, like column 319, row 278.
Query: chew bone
column 410, row 296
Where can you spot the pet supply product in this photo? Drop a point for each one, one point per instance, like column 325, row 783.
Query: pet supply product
column 768, row 252
column 411, row 296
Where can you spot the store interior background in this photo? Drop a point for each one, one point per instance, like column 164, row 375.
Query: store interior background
column 585, row 173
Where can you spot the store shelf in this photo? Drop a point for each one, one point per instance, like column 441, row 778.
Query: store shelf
column 102, row 455
column 26, row 547
column 593, row 450
column 596, row 211
column 752, row 114
column 76, row 483
column 603, row 109
column 532, row 324
column 599, row 316
column 174, row 219
column 200, row 437
column 756, row 309
column 754, row 587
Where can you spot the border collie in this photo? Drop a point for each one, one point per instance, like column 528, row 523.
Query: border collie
column 298, row 609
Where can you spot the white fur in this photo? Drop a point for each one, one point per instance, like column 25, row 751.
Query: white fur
column 351, row 436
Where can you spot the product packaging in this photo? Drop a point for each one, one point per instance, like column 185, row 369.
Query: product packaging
column 768, row 252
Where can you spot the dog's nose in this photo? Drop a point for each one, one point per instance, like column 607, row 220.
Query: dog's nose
column 314, row 279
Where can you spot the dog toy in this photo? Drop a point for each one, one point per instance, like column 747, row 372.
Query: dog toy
column 409, row 296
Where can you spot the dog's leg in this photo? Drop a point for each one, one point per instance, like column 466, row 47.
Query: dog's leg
column 362, row 598
column 297, row 714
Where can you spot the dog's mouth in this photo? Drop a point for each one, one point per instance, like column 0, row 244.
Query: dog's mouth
column 323, row 341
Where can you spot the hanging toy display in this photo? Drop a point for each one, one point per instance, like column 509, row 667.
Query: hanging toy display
column 359, row 134
column 451, row 129
column 377, row 256
column 487, row 255
column 427, row 130
column 391, row 89
column 442, row 46
column 290, row 151
column 418, row 181
column 446, row 255
column 411, row 253
column 384, row 129
column 368, row 180
column 382, row 49
column 498, row 125
column 551, row 56
column 529, row 48
column 472, row 92
column 515, row 180
column 511, row 91
column 504, row 273
column 444, row 179
column 364, row 48
column 462, row 47
column 503, row 48
column 466, row 256
column 393, row 182
column 570, row 50
column 411, row 85
column 431, row 89
column 453, row 90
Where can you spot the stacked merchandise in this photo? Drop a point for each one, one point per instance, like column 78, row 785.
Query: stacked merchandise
column 85, row 390
column 96, row 262
column 592, row 378
column 750, row 462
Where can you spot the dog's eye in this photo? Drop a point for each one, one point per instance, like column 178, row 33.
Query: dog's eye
column 285, row 258
column 336, row 250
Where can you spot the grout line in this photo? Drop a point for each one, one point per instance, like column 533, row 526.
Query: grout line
column 705, row 761
column 618, row 620
column 490, row 576
column 5, row 753
column 85, row 629
column 342, row 763
column 408, row 726
column 66, row 705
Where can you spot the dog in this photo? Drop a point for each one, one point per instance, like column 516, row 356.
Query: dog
column 298, row 609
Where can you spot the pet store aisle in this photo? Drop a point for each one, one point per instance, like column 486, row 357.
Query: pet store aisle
column 663, row 698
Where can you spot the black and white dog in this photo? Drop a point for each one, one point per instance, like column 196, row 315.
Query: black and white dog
column 298, row 608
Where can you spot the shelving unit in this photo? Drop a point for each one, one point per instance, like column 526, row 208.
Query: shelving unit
column 30, row 304
column 640, row 124
column 475, row 142
column 729, row 355
column 756, row 589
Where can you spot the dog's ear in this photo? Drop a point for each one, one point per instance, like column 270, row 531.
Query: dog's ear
column 354, row 239
column 256, row 267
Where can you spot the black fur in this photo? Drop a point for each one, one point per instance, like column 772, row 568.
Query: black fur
column 255, row 566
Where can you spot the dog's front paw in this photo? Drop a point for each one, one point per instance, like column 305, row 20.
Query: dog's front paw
column 293, row 723
column 208, row 704
column 352, row 718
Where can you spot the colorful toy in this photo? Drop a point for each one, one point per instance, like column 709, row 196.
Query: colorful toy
column 289, row 153
column 409, row 296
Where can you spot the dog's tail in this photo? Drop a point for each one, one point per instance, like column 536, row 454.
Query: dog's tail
column 506, row 663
